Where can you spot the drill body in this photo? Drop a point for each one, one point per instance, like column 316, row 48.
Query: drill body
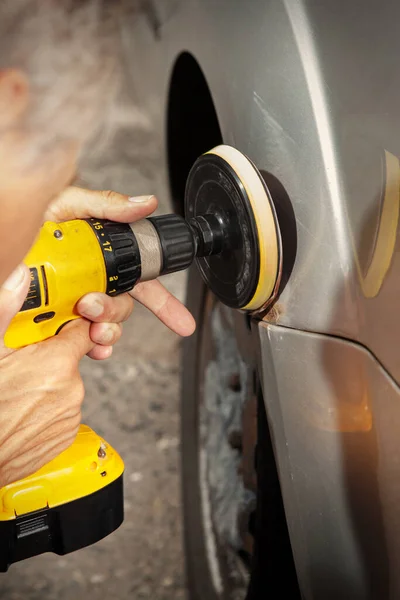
column 77, row 498
column 67, row 261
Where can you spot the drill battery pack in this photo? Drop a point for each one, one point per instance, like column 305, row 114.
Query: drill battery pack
column 74, row 501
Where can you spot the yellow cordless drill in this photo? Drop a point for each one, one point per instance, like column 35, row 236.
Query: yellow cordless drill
column 77, row 498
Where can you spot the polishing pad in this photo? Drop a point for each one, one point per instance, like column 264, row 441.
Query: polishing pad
column 224, row 185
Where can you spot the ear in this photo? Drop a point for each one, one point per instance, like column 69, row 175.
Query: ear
column 14, row 96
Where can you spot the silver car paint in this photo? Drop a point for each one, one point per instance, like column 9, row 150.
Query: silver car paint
column 310, row 92
column 335, row 417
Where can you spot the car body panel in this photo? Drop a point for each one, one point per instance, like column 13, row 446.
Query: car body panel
column 335, row 417
column 310, row 92
column 322, row 121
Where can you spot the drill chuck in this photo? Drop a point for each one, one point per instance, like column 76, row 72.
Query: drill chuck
column 169, row 243
column 178, row 247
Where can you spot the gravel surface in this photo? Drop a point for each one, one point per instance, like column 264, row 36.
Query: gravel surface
column 131, row 399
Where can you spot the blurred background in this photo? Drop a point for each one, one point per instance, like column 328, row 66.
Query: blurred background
column 132, row 400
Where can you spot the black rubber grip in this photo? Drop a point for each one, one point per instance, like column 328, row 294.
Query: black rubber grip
column 177, row 242
column 121, row 254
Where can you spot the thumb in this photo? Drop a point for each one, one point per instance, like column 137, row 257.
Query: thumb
column 12, row 295
column 78, row 203
column 73, row 339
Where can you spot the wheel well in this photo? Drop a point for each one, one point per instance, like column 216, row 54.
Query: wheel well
column 192, row 123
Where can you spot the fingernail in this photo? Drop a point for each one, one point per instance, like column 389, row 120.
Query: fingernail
column 107, row 336
column 90, row 308
column 14, row 280
column 139, row 199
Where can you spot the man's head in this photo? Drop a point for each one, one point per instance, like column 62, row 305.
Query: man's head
column 58, row 69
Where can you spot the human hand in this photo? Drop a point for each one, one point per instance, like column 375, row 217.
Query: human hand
column 41, row 389
column 106, row 313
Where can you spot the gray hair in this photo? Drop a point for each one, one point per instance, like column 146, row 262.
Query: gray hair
column 69, row 50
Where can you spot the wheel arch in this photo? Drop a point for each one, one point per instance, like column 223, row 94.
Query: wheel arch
column 192, row 125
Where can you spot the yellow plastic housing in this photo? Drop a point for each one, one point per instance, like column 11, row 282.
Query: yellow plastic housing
column 70, row 264
column 75, row 473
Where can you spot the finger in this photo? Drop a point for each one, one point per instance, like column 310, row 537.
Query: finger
column 105, row 334
column 165, row 306
column 12, row 296
column 78, row 203
column 100, row 352
column 99, row 307
column 73, row 339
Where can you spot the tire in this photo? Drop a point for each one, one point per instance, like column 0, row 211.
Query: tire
column 219, row 564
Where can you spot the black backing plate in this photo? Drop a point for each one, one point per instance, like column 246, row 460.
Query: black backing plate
column 213, row 187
